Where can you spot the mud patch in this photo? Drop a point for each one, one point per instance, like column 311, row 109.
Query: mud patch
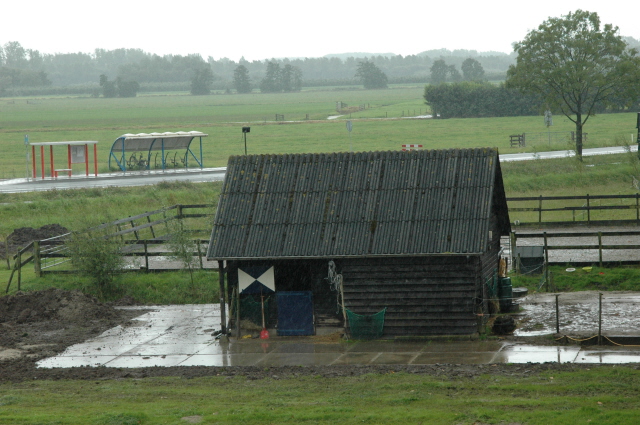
column 39, row 324
column 25, row 235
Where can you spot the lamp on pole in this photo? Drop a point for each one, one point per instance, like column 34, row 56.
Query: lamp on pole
column 245, row 130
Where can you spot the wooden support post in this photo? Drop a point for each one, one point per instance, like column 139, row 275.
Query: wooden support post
column 6, row 251
column 540, row 210
column 600, row 248
column 513, row 240
column 223, row 312
column 19, row 265
column 637, row 206
column 37, row 265
column 153, row 233
column 600, row 320
column 588, row 211
column 199, row 254
column 238, row 312
column 546, row 260
column 557, row 315
column 146, row 256
column 135, row 232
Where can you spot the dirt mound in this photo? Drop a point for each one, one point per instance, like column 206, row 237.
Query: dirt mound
column 25, row 235
column 53, row 305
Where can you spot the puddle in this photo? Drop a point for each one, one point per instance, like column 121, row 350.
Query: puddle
column 579, row 314
column 182, row 336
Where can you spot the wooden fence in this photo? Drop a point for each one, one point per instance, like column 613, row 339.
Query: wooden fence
column 137, row 233
column 604, row 210
column 600, row 247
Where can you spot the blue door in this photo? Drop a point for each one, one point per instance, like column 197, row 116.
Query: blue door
column 295, row 313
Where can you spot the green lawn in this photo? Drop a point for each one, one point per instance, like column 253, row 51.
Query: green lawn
column 379, row 126
column 602, row 395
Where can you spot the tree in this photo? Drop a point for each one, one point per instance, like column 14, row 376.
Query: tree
column 472, row 70
column 241, row 79
column 109, row 88
column 576, row 65
column 454, row 74
column 127, row 88
column 272, row 81
column 291, row 78
column 439, row 71
column 201, row 81
column 371, row 76
column 182, row 246
column 96, row 254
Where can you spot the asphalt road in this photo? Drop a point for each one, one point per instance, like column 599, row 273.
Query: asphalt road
column 142, row 178
column 136, row 178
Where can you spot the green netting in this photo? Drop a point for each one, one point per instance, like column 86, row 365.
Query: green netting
column 366, row 326
column 251, row 310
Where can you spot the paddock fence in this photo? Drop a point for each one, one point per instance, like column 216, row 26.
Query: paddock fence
column 143, row 237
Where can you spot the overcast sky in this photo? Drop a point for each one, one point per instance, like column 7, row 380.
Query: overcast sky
column 284, row 28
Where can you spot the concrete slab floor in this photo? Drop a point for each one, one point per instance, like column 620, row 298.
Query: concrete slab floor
column 182, row 336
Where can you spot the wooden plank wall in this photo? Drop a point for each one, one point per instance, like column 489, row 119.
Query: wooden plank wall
column 423, row 295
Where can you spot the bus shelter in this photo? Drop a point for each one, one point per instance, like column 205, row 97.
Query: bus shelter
column 156, row 150
column 77, row 153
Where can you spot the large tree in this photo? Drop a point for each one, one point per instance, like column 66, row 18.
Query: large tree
column 439, row 71
column 472, row 70
column 241, row 79
column 576, row 65
column 371, row 76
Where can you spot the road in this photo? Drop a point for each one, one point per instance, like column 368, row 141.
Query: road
column 142, row 178
column 135, row 178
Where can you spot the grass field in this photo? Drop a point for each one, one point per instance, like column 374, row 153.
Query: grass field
column 602, row 395
column 380, row 126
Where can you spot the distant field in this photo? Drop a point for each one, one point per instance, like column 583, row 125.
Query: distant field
column 381, row 125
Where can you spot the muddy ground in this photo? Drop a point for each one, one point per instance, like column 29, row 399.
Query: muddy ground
column 23, row 236
column 41, row 324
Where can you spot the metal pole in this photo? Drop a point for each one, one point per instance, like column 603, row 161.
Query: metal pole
column 245, row 143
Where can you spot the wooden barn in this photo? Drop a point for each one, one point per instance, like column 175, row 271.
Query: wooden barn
column 413, row 236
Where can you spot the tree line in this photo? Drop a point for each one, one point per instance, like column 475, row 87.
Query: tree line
column 27, row 71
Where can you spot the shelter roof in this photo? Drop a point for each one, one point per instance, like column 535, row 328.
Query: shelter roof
column 75, row 142
column 155, row 141
column 432, row 202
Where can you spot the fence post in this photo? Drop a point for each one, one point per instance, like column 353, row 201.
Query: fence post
column 637, row 211
column 600, row 247
column 146, row 257
column 135, row 232
column 600, row 320
column 540, row 210
column 199, row 254
column 19, row 265
column 546, row 260
column 6, row 250
column 37, row 265
column 557, row 315
column 588, row 210
column 153, row 234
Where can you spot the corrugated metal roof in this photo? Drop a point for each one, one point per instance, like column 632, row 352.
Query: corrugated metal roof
column 432, row 202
